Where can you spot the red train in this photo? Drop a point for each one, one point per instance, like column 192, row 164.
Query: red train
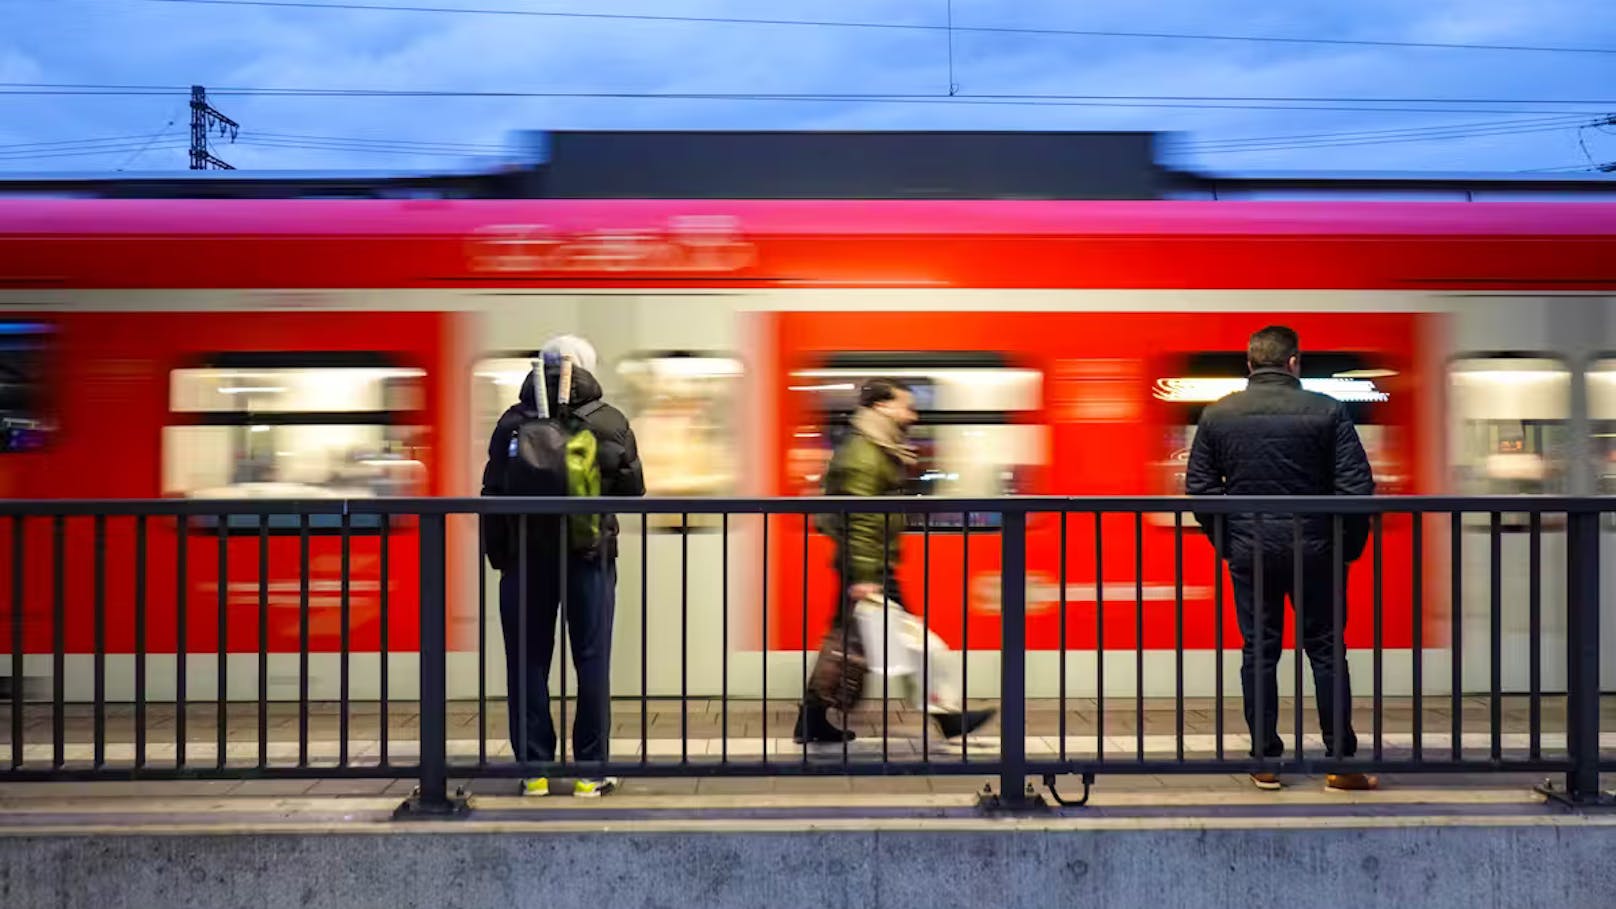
column 358, row 348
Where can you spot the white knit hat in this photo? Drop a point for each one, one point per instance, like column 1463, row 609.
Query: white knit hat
column 581, row 351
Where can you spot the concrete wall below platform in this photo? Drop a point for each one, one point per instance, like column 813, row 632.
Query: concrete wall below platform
column 1361, row 862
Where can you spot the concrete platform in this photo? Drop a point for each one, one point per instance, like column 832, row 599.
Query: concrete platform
column 1156, row 842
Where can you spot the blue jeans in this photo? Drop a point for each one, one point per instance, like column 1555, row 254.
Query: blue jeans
column 591, row 602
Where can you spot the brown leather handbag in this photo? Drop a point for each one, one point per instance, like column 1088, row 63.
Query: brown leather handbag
column 838, row 676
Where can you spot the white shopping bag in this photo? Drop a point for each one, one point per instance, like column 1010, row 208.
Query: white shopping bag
column 898, row 647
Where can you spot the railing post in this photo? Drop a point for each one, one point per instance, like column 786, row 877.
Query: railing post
column 1013, row 664
column 431, row 797
column 1582, row 675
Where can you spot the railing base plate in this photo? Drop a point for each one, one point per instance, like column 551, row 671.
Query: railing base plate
column 416, row 808
column 1030, row 802
column 1559, row 795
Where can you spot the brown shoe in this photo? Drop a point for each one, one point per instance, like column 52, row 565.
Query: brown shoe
column 1267, row 782
column 1350, row 782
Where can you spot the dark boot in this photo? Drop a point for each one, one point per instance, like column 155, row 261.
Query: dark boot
column 814, row 726
column 955, row 725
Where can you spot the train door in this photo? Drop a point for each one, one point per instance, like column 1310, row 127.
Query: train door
column 1510, row 427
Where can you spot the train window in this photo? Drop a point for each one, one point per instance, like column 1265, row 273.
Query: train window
column 1510, row 423
column 1602, row 421
column 23, row 423
column 324, row 430
column 1203, row 378
column 974, row 436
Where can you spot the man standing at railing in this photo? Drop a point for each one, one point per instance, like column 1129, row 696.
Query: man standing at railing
column 576, row 419
column 1277, row 439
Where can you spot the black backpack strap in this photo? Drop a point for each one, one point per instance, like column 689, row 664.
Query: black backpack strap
column 588, row 410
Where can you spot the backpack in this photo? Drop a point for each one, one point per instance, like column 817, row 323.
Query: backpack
column 556, row 456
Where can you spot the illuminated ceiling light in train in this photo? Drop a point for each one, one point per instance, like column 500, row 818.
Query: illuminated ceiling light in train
column 1208, row 389
column 252, row 390
column 1365, row 374
column 260, row 428
column 684, row 367
column 843, row 386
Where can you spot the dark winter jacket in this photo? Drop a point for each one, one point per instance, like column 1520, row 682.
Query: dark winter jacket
column 1276, row 439
column 616, row 453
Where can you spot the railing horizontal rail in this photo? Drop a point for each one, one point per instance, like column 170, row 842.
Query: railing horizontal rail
column 216, row 634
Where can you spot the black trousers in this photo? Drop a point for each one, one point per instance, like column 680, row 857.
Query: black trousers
column 1262, row 625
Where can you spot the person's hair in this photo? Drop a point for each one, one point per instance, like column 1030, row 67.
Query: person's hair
column 581, row 351
column 1272, row 347
column 879, row 391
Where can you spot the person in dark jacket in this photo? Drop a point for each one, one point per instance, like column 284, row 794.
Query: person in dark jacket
column 873, row 460
column 1277, row 439
column 591, row 577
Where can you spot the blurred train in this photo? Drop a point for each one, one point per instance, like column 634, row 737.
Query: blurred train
column 218, row 348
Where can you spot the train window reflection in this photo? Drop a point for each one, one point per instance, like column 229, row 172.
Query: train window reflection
column 683, row 407
column 1510, row 424
column 972, row 437
column 1602, row 419
column 23, row 424
column 294, row 432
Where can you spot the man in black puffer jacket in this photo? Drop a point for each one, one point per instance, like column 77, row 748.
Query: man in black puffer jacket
column 591, row 576
column 1277, row 439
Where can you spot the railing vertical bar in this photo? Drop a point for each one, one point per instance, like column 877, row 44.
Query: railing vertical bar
column 1099, row 635
column 645, row 630
column 563, row 582
column 433, row 666
column 263, row 644
column 482, row 640
column 1534, row 636
column 842, row 569
column 763, row 598
column 1298, row 646
column 1582, row 657
column 925, row 637
column 1495, row 621
column 723, row 603
column 100, row 545
column 1456, row 645
column 1178, row 633
column 182, row 591
column 1258, row 642
column 841, row 609
column 221, row 694
column 303, row 640
column 524, row 668
column 19, row 530
column 1064, row 515
column 886, row 626
column 140, row 634
column 1417, row 629
column 1139, row 634
column 965, row 632
column 344, row 682
column 1380, row 645
column 384, row 570
column 1013, row 665
column 59, row 644
column 684, row 638
column 1338, row 590
column 1217, row 631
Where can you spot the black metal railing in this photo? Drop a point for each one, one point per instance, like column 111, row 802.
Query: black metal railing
column 130, row 698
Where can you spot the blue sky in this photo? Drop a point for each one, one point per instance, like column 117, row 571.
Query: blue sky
column 126, row 42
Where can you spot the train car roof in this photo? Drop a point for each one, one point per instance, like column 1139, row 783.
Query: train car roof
column 178, row 218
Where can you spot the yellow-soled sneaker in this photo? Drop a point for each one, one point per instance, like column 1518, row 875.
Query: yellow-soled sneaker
column 594, row 789
column 538, row 786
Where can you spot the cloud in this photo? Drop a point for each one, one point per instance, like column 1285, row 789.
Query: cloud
column 124, row 41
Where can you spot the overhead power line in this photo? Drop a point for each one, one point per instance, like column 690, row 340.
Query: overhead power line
column 1431, row 134
column 895, row 26
column 1181, row 102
